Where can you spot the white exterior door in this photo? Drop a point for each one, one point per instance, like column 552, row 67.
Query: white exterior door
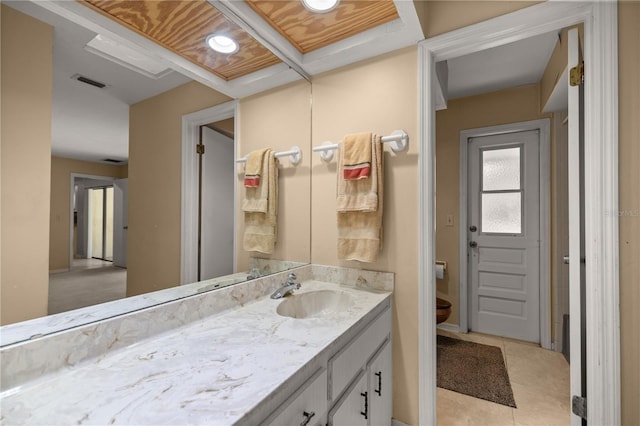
column 504, row 234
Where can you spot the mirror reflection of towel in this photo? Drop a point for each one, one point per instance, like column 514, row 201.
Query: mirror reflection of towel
column 359, row 206
column 260, row 207
column 253, row 168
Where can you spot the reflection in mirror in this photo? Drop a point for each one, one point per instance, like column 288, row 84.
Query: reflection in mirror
column 145, row 252
column 22, row 331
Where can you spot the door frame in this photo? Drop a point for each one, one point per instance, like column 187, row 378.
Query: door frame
column 600, row 21
column 189, row 218
column 544, row 126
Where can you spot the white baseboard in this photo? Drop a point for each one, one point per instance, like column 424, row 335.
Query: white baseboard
column 449, row 327
column 395, row 422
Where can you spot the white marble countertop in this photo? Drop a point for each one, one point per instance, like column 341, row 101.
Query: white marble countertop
column 212, row 371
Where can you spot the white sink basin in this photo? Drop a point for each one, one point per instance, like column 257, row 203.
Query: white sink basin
column 314, row 304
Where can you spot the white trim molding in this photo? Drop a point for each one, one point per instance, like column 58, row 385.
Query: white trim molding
column 601, row 159
column 544, row 126
column 601, row 214
column 426, row 240
column 189, row 218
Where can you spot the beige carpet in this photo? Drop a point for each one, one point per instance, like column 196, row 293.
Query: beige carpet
column 86, row 286
column 473, row 369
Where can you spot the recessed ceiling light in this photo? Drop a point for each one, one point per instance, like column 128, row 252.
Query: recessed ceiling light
column 221, row 43
column 320, row 6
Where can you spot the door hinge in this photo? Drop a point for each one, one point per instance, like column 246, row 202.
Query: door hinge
column 579, row 406
column 200, row 149
column 576, row 75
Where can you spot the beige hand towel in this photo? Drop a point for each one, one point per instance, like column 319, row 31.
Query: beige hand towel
column 357, row 156
column 359, row 219
column 256, row 197
column 261, row 228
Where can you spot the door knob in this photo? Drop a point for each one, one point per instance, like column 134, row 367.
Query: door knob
column 473, row 244
column 473, row 228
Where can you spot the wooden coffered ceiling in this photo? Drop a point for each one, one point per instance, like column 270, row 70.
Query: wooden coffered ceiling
column 280, row 41
column 183, row 26
column 309, row 31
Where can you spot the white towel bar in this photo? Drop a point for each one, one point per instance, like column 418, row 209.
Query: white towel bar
column 399, row 140
column 294, row 154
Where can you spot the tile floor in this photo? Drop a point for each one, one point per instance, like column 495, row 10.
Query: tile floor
column 539, row 380
column 89, row 282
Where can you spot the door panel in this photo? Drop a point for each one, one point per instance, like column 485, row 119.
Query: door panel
column 576, row 231
column 217, row 196
column 503, row 207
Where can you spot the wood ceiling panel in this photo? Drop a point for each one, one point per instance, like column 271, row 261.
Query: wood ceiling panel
column 182, row 27
column 309, row 31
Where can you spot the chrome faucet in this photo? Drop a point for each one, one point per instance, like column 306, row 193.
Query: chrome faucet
column 253, row 274
column 287, row 288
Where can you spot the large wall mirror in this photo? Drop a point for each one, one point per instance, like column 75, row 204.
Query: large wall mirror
column 117, row 179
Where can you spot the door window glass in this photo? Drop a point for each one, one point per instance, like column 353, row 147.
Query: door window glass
column 501, row 169
column 501, row 191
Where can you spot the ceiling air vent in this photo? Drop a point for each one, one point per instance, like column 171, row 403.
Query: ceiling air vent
column 89, row 81
column 112, row 161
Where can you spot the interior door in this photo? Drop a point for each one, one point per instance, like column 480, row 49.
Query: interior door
column 217, row 199
column 504, row 234
column 577, row 328
column 120, row 222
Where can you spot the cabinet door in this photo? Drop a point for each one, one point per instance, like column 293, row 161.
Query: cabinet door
column 307, row 406
column 353, row 409
column 344, row 365
column 380, row 391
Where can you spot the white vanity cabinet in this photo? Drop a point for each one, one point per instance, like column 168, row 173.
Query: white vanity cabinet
column 352, row 386
column 365, row 366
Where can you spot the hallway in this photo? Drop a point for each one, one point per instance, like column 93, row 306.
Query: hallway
column 89, row 282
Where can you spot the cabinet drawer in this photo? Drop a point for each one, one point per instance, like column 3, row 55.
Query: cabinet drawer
column 352, row 358
column 353, row 408
column 307, row 404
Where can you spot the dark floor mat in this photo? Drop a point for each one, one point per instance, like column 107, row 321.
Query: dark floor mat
column 473, row 369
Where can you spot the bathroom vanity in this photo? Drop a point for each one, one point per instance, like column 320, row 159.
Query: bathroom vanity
column 230, row 356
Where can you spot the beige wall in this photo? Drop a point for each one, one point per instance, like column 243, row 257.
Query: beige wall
column 507, row 106
column 279, row 119
column 629, row 110
column 441, row 16
column 155, row 141
column 380, row 96
column 61, row 169
column 27, row 57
